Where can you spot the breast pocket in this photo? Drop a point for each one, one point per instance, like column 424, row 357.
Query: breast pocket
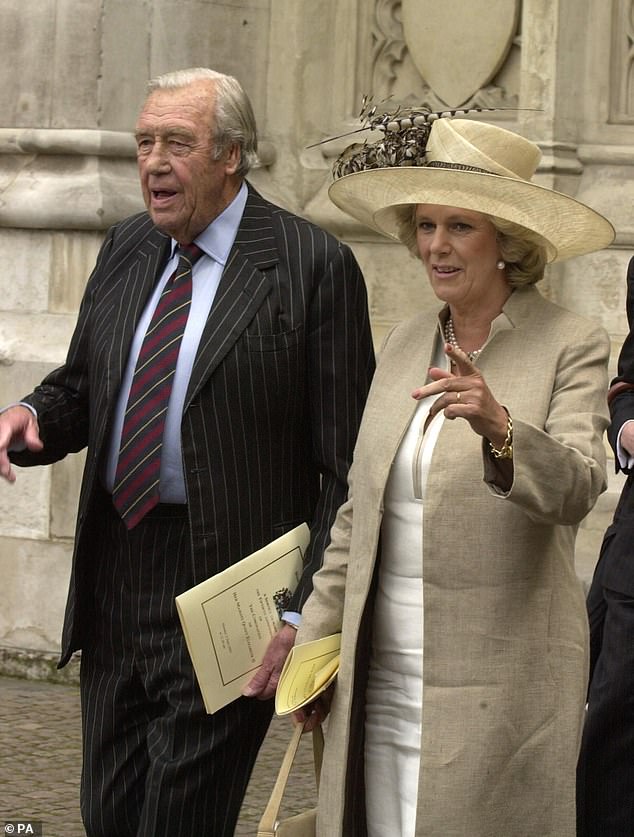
column 280, row 342
column 273, row 367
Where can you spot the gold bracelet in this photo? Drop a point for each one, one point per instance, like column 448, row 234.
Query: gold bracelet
column 506, row 451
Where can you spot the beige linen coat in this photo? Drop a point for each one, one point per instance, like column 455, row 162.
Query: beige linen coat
column 505, row 634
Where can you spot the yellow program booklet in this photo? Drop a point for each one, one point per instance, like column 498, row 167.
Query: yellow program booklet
column 308, row 671
column 229, row 619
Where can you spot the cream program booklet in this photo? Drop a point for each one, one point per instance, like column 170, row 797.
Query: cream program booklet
column 229, row 619
column 308, row 671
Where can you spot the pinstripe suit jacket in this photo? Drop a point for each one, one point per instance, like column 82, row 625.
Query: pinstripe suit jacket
column 274, row 401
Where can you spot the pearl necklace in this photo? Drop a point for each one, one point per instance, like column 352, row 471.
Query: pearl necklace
column 450, row 337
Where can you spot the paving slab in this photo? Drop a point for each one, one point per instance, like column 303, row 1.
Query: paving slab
column 40, row 762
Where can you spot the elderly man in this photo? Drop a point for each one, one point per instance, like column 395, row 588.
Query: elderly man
column 217, row 375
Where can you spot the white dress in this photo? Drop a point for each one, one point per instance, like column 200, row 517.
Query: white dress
column 394, row 696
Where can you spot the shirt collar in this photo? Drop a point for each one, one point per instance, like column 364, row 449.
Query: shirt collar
column 216, row 240
column 500, row 323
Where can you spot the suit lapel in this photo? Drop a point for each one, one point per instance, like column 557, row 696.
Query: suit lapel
column 243, row 288
column 130, row 275
column 136, row 257
column 129, row 293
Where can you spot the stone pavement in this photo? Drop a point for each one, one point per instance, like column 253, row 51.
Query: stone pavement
column 40, row 752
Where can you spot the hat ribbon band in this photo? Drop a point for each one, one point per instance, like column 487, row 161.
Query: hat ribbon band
column 439, row 164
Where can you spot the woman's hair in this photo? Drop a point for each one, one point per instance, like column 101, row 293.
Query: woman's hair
column 233, row 117
column 523, row 250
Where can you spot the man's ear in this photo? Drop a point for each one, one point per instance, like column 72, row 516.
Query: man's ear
column 232, row 159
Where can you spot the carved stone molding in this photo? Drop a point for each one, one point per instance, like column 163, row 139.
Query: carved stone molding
column 400, row 53
column 76, row 142
column 86, row 142
column 622, row 64
column 381, row 64
column 480, row 33
column 72, row 179
column 388, row 46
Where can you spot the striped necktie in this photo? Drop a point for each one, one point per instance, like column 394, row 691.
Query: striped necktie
column 136, row 484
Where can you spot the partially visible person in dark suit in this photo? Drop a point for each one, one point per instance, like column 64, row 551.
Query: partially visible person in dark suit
column 261, row 412
column 605, row 776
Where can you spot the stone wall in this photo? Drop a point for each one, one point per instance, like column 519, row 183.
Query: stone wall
column 74, row 71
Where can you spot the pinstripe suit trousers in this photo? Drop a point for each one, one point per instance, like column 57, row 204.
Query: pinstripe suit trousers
column 155, row 764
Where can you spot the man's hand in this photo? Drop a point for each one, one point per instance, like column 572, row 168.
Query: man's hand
column 627, row 437
column 18, row 427
column 264, row 682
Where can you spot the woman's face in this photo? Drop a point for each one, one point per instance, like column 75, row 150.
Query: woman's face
column 460, row 251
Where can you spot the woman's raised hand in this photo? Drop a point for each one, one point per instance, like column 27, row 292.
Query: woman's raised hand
column 463, row 393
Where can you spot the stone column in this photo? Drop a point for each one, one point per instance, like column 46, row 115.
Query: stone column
column 63, row 179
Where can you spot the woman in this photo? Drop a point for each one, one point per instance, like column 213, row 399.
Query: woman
column 459, row 700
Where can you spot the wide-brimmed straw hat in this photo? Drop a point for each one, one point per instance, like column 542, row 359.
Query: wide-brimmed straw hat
column 471, row 165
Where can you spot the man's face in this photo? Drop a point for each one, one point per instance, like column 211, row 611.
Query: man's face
column 184, row 188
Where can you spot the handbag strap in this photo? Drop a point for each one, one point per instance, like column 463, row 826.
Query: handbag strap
column 270, row 815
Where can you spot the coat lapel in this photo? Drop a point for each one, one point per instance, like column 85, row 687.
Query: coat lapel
column 402, row 366
column 136, row 259
column 243, row 288
column 128, row 287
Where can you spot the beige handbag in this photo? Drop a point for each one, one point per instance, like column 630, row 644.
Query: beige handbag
column 301, row 825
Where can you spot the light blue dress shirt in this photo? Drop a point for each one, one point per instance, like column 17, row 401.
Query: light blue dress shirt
column 216, row 242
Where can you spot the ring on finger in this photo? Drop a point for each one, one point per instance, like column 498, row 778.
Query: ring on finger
column 457, row 396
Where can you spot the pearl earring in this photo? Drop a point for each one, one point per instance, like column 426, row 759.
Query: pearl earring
column 500, row 265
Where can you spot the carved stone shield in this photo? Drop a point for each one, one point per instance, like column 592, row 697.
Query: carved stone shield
column 459, row 45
